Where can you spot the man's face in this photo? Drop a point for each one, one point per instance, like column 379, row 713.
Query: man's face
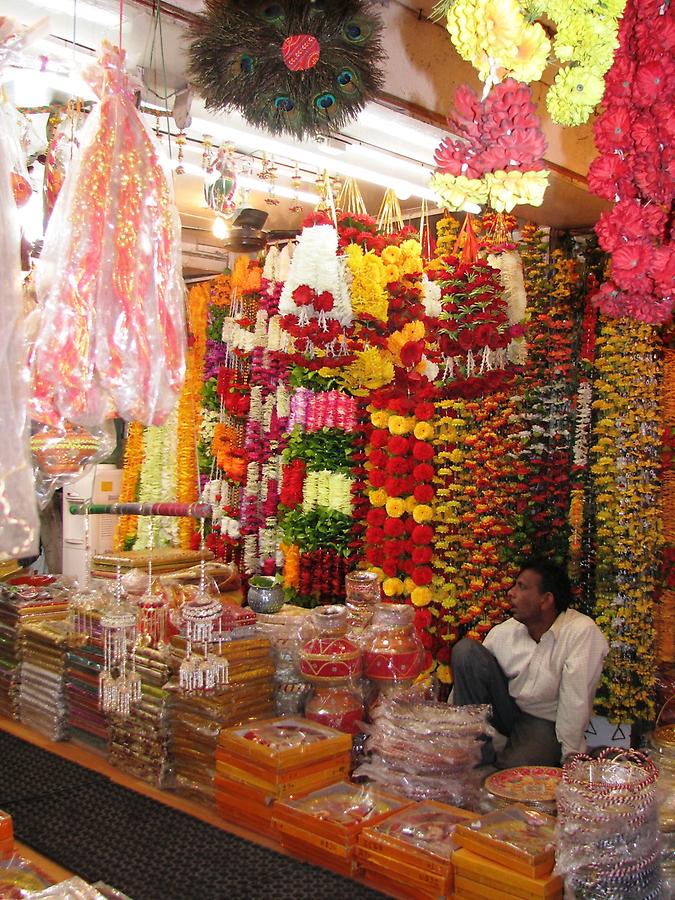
column 527, row 598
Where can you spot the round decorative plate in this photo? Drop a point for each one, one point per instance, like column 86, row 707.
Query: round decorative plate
column 525, row 783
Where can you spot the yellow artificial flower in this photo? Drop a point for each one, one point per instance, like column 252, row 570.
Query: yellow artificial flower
column 370, row 370
column 457, row 192
column 421, row 596
column 392, row 587
column 378, row 497
column 444, row 674
column 395, row 507
column 424, row 431
column 422, row 513
column 531, row 57
column 509, row 189
column 574, row 94
column 391, row 274
column 397, row 425
column 380, row 418
column 391, row 256
column 410, row 504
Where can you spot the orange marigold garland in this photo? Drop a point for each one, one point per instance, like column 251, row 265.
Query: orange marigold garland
column 189, row 408
column 125, row 532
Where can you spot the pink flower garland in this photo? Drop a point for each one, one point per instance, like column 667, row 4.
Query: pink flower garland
column 636, row 166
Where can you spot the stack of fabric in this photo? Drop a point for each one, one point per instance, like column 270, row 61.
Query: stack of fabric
column 19, row 606
column 85, row 661
column 259, row 763
column 196, row 720
column 42, row 693
column 139, row 743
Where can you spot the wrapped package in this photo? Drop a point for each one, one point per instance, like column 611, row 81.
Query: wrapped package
column 425, row 749
column 19, row 526
column 608, row 843
column 112, row 334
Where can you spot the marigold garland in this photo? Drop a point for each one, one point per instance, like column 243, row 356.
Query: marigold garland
column 127, row 526
column 189, row 407
column 626, row 468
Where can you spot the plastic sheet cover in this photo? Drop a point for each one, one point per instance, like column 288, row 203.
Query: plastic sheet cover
column 19, row 527
column 112, row 334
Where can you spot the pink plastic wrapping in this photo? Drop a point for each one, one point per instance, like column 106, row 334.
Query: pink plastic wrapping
column 19, row 527
column 112, row 335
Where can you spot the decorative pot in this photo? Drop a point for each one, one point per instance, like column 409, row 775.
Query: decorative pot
column 392, row 650
column 266, row 596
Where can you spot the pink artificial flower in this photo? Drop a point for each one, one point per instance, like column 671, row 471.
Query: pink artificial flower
column 651, row 82
column 630, row 263
column 662, row 269
column 629, row 220
column 613, row 130
column 610, row 176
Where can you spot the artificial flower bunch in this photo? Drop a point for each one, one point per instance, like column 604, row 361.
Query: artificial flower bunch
column 400, row 473
column 314, row 304
column 158, row 483
column 497, row 156
column 125, row 530
column 585, row 41
column 580, row 512
column 626, row 467
column 636, row 166
column 316, row 490
column 478, row 501
column 189, row 407
column 545, row 429
column 498, row 40
column 473, row 330
column 369, row 282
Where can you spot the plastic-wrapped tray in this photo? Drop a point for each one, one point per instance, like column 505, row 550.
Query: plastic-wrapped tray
column 284, row 743
column 525, row 784
column 336, row 813
column 478, row 877
column 518, row 838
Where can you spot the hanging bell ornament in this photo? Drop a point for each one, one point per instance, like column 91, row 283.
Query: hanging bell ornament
column 207, row 671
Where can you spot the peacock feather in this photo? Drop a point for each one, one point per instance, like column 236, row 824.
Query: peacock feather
column 297, row 66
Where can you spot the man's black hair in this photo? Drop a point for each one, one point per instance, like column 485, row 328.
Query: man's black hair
column 553, row 579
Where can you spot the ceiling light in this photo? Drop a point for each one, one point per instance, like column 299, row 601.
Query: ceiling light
column 307, row 157
column 219, row 228
column 88, row 12
column 391, row 125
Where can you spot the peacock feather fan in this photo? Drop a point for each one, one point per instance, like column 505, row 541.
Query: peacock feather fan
column 297, row 66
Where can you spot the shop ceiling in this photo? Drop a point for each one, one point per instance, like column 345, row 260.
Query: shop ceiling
column 391, row 142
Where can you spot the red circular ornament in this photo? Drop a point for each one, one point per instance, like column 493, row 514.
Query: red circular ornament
column 300, row 52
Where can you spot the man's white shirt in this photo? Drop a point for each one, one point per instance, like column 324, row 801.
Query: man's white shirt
column 556, row 678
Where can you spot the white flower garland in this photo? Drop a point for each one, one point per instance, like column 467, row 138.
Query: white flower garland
column 316, row 264
column 510, row 267
column 583, row 425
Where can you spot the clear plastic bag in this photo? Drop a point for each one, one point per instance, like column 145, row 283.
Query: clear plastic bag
column 19, row 526
column 112, row 335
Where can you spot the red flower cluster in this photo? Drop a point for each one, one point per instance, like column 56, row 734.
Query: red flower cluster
column 233, row 392
column 501, row 132
column 293, row 478
column 322, row 576
column 474, row 312
column 636, row 166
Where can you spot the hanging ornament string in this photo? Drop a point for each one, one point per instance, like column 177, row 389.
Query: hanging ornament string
column 467, row 237
column 121, row 17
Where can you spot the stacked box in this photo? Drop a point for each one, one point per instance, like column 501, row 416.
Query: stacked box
column 34, row 600
column 6, row 835
column 272, row 760
column 412, row 850
column 196, row 720
column 42, row 692
column 86, row 721
column 324, row 826
column 139, row 743
column 507, row 853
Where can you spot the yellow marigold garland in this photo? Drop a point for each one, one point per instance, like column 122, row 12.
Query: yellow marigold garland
column 125, row 532
column 627, row 441
column 189, row 407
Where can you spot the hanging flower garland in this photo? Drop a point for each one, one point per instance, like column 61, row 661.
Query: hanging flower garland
column 626, row 468
column 158, row 483
column 581, row 524
column 665, row 608
column 189, row 407
column 545, row 434
column 634, row 169
column 497, row 156
column 125, row 532
column 476, row 546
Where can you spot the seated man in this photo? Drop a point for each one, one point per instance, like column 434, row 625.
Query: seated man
column 539, row 671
